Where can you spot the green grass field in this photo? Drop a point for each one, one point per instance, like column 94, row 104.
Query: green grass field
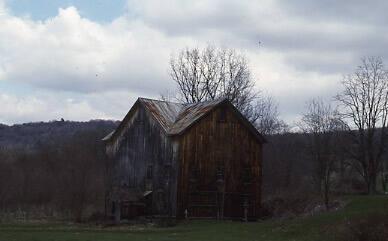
column 319, row 227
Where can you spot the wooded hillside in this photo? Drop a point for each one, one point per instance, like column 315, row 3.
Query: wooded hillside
column 58, row 169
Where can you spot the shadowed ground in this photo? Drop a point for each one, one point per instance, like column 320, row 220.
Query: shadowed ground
column 319, row 227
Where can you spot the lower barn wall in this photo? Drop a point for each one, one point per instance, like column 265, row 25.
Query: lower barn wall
column 143, row 161
column 219, row 145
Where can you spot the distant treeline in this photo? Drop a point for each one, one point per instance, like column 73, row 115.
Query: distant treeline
column 33, row 135
column 290, row 167
column 54, row 169
column 59, row 169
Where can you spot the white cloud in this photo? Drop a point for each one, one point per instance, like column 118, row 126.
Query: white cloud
column 72, row 53
column 290, row 87
column 105, row 65
column 16, row 109
column 88, row 69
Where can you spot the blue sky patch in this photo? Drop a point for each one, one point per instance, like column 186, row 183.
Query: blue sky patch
column 96, row 10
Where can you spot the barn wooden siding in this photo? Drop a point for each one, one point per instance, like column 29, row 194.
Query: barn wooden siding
column 219, row 144
column 205, row 161
column 143, row 146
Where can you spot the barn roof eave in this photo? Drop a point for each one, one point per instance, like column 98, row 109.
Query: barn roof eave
column 249, row 125
column 107, row 137
column 245, row 121
column 178, row 126
column 111, row 136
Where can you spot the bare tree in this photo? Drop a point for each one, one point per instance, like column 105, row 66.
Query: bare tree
column 212, row 73
column 284, row 165
column 267, row 117
column 365, row 104
column 186, row 71
column 322, row 123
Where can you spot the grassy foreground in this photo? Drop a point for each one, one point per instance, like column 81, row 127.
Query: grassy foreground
column 319, row 227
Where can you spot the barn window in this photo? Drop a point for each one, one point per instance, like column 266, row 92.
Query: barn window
column 149, row 172
column 162, row 201
column 140, row 118
column 193, row 179
column 220, row 171
column 136, row 132
column 113, row 210
column 222, row 117
column 247, row 175
column 167, row 171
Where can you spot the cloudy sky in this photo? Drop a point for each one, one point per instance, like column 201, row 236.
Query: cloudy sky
column 90, row 59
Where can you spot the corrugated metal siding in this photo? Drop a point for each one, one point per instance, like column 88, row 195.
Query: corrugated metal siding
column 191, row 114
column 174, row 118
column 164, row 112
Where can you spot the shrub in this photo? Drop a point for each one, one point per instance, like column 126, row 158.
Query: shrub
column 289, row 205
column 165, row 222
column 371, row 228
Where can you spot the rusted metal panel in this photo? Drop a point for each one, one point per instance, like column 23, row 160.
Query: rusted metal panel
column 175, row 118
column 164, row 112
column 191, row 114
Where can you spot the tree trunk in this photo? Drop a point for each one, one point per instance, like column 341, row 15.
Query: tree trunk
column 383, row 181
column 372, row 187
column 326, row 197
column 326, row 191
column 117, row 212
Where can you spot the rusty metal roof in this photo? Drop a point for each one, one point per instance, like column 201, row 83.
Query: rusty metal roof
column 164, row 112
column 175, row 118
column 192, row 113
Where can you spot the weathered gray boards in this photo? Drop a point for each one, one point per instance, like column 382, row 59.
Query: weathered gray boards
column 177, row 160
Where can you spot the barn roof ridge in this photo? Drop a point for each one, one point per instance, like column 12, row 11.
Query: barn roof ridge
column 184, row 104
column 166, row 101
column 175, row 118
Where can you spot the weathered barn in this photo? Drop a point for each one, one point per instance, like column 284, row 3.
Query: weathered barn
column 177, row 160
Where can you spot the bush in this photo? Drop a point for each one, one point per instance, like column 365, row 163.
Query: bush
column 97, row 218
column 165, row 222
column 289, row 205
column 371, row 228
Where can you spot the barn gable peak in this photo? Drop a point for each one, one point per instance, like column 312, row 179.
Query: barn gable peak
column 176, row 118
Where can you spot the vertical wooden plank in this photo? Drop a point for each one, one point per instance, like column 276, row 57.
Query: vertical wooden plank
column 209, row 143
